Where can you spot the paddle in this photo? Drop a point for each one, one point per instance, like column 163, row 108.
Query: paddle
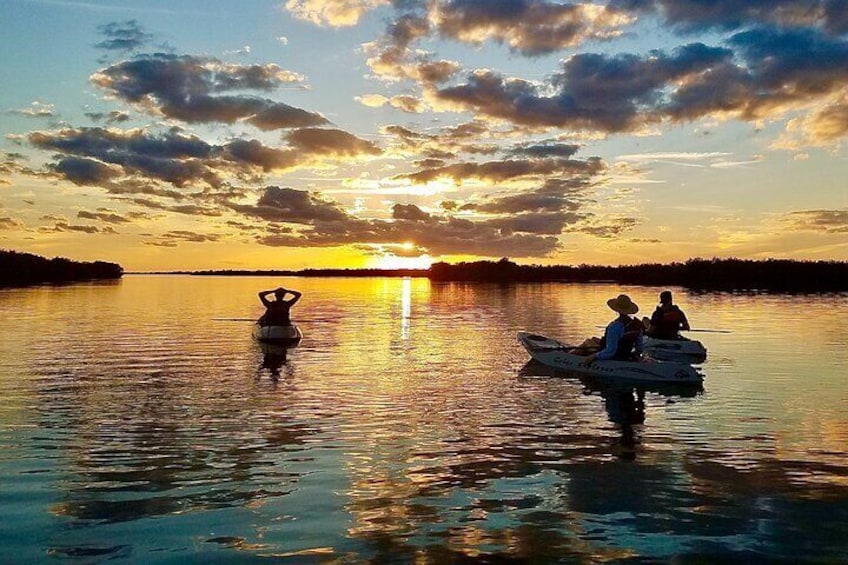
column 233, row 319
column 693, row 330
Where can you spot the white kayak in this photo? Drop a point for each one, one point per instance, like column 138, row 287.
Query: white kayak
column 675, row 348
column 558, row 355
column 282, row 335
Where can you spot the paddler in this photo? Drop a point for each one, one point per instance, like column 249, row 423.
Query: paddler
column 668, row 319
column 622, row 339
column 278, row 311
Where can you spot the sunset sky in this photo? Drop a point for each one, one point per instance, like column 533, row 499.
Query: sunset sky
column 393, row 133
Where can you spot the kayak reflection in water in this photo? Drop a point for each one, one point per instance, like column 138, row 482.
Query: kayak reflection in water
column 278, row 311
column 274, row 358
column 623, row 337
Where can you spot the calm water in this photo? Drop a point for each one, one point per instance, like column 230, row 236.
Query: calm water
column 407, row 427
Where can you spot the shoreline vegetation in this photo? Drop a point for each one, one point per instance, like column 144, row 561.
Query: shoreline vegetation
column 19, row 269
column 768, row 275
column 746, row 275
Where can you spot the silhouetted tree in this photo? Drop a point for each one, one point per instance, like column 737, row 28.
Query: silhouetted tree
column 22, row 269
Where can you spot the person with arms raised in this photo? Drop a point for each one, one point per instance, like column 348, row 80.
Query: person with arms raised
column 278, row 311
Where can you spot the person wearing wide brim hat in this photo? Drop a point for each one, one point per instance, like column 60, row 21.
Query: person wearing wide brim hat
column 623, row 340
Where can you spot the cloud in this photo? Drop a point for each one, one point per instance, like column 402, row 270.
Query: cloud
column 62, row 226
column 174, row 158
column 122, row 36
column 464, row 138
column 607, row 227
column 12, row 164
column 555, row 195
column 188, row 88
column 531, row 27
column 101, row 156
column 696, row 15
column 8, row 223
column 104, row 215
column 499, row 171
column 593, row 92
column 406, row 103
column 278, row 204
column 544, row 150
column 821, row 127
column 113, row 117
column 336, row 13
column 767, row 73
column 36, row 110
column 827, row 221
column 441, row 236
column 186, row 209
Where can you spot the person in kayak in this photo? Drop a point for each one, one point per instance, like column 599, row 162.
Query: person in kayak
column 622, row 339
column 278, row 311
column 668, row 319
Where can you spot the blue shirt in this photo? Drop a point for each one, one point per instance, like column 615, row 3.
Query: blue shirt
column 613, row 334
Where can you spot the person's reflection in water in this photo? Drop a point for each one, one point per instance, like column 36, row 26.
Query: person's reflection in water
column 626, row 408
column 274, row 358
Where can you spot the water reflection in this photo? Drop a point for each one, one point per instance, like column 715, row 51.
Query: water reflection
column 412, row 432
column 274, row 359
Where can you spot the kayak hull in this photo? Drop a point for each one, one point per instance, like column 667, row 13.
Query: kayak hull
column 675, row 348
column 279, row 335
column 557, row 355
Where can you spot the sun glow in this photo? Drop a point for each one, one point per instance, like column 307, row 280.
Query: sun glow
column 390, row 261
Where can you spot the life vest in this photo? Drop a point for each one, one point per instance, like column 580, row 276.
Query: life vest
column 667, row 322
column 624, row 351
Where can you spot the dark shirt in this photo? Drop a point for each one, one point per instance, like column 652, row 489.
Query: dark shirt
column 277, row 313
column 667, row 321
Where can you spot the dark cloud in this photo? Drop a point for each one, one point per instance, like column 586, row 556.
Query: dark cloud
column 768, row 72
column 188, row 88
column 278, row 204
column 114, row 117
column 175, row 237
column 84, row 171
column 410, row 212
column 729, row 15
column 174, row 158
column 64, row 226
column 331, row 142
column 603, row 227
column 544, row 150
column 260, row 155
column 443, row 236
column 555, row 195
column 122, row 36
column 99, row 156
column 103, row 215
column 498, row 171
column 187, row 209
column 325, row 224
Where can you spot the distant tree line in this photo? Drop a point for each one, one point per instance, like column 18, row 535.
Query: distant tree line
column 22, row 269
column 770, row 275
column 315, row 273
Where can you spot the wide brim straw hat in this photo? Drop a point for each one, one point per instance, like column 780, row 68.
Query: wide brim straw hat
column 623, row 305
